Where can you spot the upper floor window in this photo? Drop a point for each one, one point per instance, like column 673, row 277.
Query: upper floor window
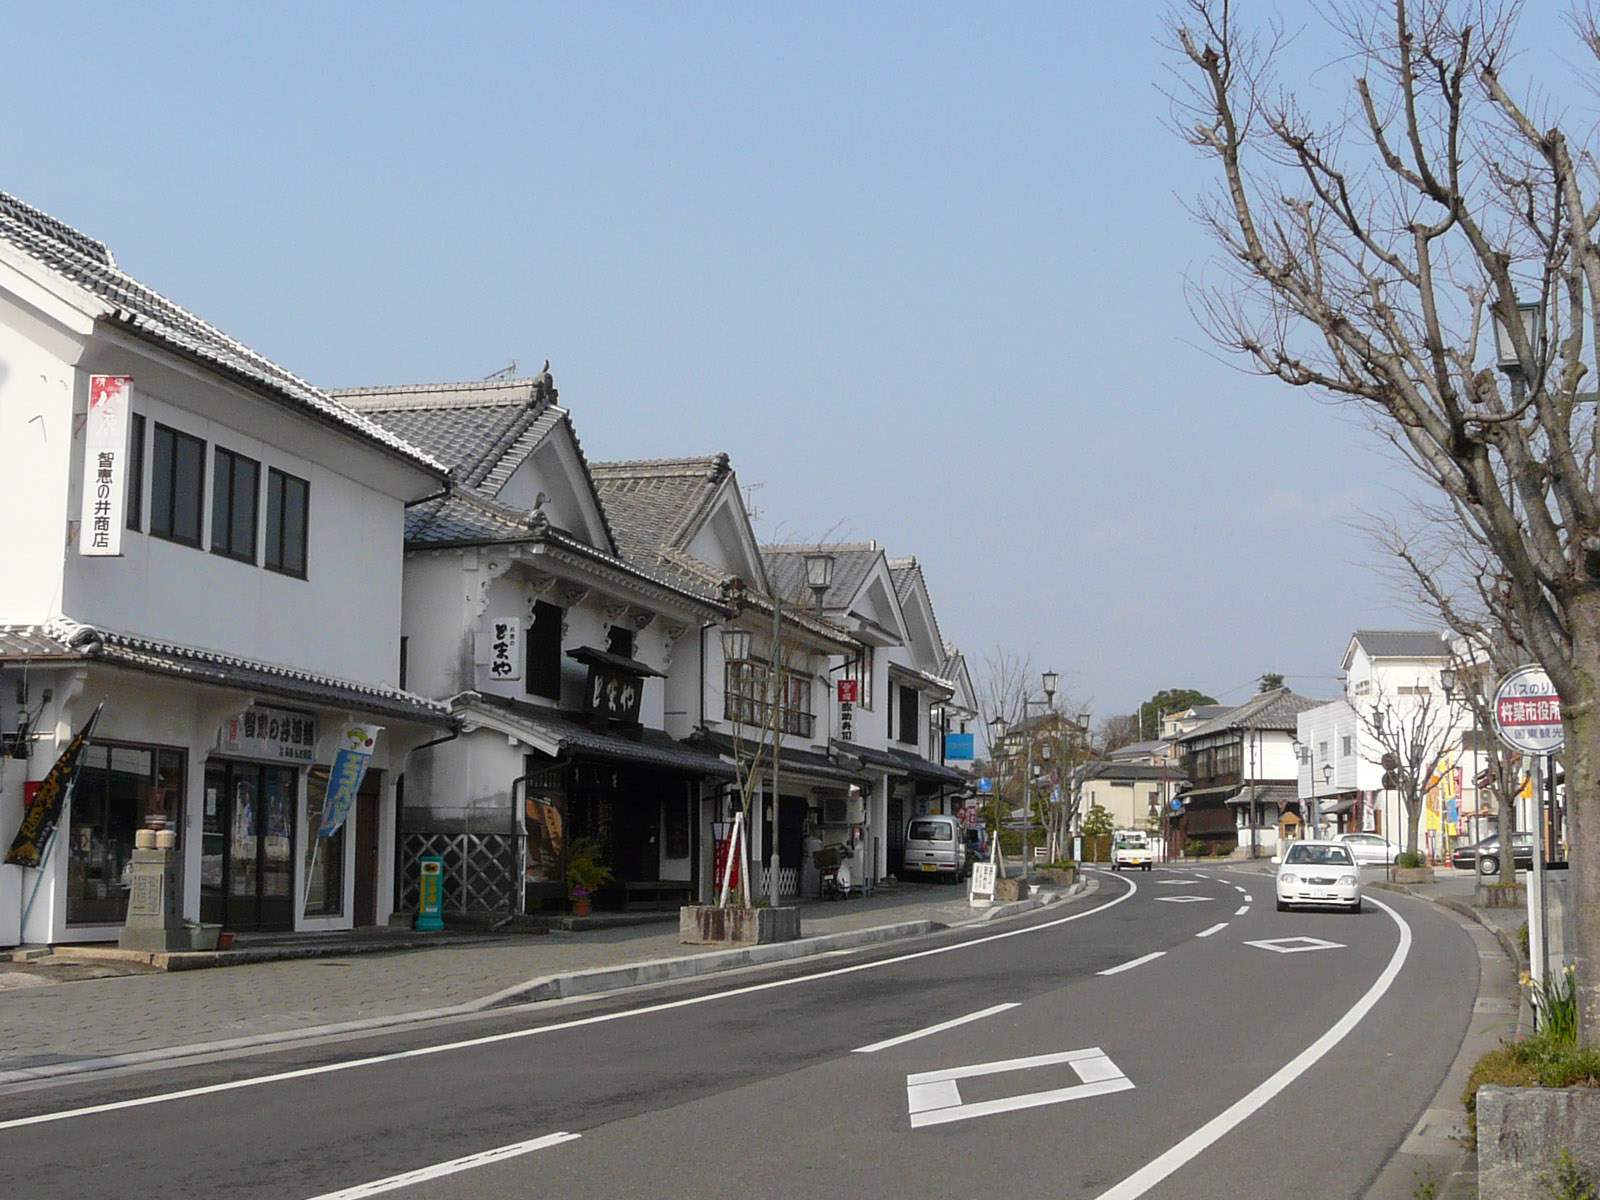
column 177, row 486
column 544, row 651
column 288, row 512
column 1347, row 745
column 135, row 470
column 908, row 715
column 619, row 640
column 860, row 669
column 1420, row 689
column 235, row 492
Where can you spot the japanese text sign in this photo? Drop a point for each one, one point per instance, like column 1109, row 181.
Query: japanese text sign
column 105, row 465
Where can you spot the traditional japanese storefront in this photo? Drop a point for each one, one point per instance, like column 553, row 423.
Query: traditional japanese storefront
column 228, row 756
column 631, row 793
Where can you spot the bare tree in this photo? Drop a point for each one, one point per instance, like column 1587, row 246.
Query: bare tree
column 1414, row 735
column 1365, row 257
column 1120, row 730
column 1443, row 571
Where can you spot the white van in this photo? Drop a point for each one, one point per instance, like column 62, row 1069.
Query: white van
column 1131, row 848
column 935, row 845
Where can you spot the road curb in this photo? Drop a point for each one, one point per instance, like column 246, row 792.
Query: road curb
column 1460, row 1183
column 548, row 987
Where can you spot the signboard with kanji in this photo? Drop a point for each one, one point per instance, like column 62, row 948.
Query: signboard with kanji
column 849, row 691
column 505, row 659
column 105, row 465
column 1527, row 712
column 613, row 693
column 959, row 747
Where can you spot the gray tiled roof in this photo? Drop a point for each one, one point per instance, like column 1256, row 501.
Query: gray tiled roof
column 73, row 640
column 1276, row 710
column 799, row 762
column 651, row 747
column 466, row 518
column 657, row 504
column 852, row 561
column 483, row 429
column 1135, row 749
column 147, row 314
column 1106, row 769
column 1402, row 643
column 472, row 426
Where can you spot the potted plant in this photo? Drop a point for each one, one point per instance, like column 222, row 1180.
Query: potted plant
column 585, row 873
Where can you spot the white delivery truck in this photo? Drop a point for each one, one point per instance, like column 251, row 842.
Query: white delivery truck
column 1131, row 848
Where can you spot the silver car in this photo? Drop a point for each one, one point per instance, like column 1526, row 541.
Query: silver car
column 1370, row 849
column 935, row 845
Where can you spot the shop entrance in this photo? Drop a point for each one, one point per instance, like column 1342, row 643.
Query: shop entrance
column 247, row 846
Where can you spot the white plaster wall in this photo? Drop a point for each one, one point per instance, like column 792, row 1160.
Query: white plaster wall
column 438, row 596
column 343, row 619
column 35, row 445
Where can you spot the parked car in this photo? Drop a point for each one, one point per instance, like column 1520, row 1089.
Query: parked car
column 1465, row 858
column 935, row 845
column 1370, row 849
column 977, row 847
column 1319, row 873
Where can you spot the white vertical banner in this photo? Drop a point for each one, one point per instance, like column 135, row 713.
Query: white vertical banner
column 105, row 465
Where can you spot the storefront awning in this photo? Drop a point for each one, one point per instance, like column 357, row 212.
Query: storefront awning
column 1211, row 795
column 550, row 732
column 804, row 763
column 1276, row 795
column 926, row 769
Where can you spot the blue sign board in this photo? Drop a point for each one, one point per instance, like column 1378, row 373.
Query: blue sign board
column 958, row 747
column 986, row 786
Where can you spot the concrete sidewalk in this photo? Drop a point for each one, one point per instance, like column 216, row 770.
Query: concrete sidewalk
column 50, row 1028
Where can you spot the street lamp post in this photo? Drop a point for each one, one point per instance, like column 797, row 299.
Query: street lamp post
column 1051, row 679
column 999, row 725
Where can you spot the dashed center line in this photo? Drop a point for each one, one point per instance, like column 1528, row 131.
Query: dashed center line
column 1241, row 910
column 1138, row 962
column 1217, row 928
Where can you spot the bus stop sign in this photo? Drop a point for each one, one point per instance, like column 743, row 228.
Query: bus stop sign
column 1527, row 712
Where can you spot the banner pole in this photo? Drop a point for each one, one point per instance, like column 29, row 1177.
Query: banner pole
column 66, row 808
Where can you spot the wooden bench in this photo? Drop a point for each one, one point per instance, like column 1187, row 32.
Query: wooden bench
column 656, row 893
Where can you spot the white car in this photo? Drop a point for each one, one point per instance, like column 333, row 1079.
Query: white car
column 1323, row 873
column 1370, row 849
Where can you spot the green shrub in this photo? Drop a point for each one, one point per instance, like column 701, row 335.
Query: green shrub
column 1539, row 1061
column 1409, row 860
column 1522, row 940
column 1195, row 848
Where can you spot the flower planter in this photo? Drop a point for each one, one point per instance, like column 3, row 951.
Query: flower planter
column 1522, row 1132
column 1413, row 874
column 706, row 924
column 1057, row 876
column 1007, row 890
column 580, row 906
column 1501, row 895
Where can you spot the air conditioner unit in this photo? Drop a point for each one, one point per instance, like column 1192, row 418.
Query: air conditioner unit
column 843, row 810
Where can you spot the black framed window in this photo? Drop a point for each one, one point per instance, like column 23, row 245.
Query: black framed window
column 177, row 486
column 544, row 651
column 908, row 716
column 619, row 640
column 288, row 514
column 235, row 492
column 135, row 470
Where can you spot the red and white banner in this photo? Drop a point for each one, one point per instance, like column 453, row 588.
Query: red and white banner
column 105, row 465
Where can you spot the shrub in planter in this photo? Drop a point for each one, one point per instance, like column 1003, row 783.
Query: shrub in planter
column 1194, row 848
column 1409, row 860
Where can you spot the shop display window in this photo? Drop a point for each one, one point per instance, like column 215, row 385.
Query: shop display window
column 120, row 790
column 324, row 856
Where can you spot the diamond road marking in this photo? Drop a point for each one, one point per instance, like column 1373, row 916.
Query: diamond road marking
column 1178, row 882
column 1296, row 945
column 933, row 1097
column 1184, row 899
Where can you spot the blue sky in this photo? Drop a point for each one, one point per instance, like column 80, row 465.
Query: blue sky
column 918, row 269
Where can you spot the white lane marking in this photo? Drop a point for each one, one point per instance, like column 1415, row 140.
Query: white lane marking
column 1200, row 877
column 1296, row 945
column 1218, row 928
column 933, row 1097
column 1238, row 887
column 1241, row 910
column 577, row 1023
column 1184, row 899
column 939, row 1028
column 1128, row 966
column 453, row 1167
column 1157, row 1169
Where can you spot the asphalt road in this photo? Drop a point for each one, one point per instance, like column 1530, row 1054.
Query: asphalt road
column 1214, row 1068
